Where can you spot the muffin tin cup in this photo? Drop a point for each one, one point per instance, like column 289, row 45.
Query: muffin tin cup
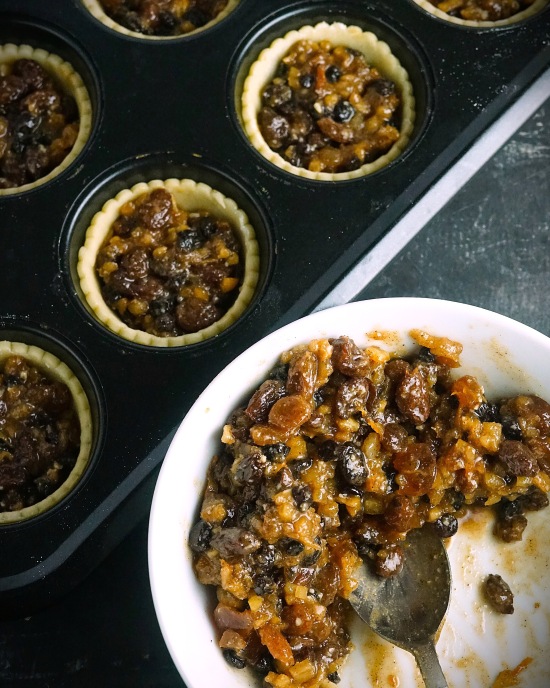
column 192, row 197
column 86, row 231
column 56, row 370
column 377, row 54
column 96, row 10
column 170, row 109
column 58, row 363
column 385, row 44
column 528, row 13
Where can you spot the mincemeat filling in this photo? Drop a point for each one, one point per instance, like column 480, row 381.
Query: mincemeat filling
column 328, row 110
column 166, row 271
column 334, row 458
column 163, row 17
column 39, row 123
column 482, row 10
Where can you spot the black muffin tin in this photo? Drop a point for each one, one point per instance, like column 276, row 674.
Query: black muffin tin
column 170, row 109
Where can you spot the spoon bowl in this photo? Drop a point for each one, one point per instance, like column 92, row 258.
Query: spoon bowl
column 407, row 609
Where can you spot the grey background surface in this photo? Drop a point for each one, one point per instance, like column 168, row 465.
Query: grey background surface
column 490, row 245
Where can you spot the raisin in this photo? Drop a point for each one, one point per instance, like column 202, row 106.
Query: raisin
column 457, row 499
column 167, row 21
column 394, row 437
column 534, row 500
column 301, row 465
column 511, row 428
column 274, row 127
column 343, row 111
column 200, row 536
column 327, row 450
column 389, row 561
column 233, row 659
column 162, row 306
column 262, row 400
column 265, row 557
column 352, row 396
column 248, row 465
column 306, row 80
column 413, row 397
column 312, row 559
column 302, row 496
column 511, row 529
column 518, row 458
column 136, row 263
column 32, row 73
column 446, row 525
column 332, row 74
column 302, row 374
column 499, row 594
column 352, row 464
column 416, row 468
column 279, row 372
column 276, row 452
column 263, row 664
column 507, row 508
column 399, row 513
column 384, row 87
column 284, row 479
column 424, row 354
column 290, row 412
column 488, row 413
column 264, row 585
column 25, row 127
column 235, row 542
column 37, row 161
column 348, row 358
column 290, row 546
column 156, row 209
column 189, row 240
column 195, row 314
column 12, row 88
column 276, row 94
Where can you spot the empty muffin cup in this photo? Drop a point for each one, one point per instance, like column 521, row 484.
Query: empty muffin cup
column 45, row 431
column 172, row 19
column 45, row 116
column 328, row 102
column 168, row 263
column 483, row 13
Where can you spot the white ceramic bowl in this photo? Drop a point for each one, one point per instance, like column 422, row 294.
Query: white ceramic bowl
column 475, row 644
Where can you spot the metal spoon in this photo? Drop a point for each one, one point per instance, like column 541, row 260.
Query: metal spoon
column 408, row 608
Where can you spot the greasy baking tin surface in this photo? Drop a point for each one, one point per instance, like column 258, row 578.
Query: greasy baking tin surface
column 164, row 109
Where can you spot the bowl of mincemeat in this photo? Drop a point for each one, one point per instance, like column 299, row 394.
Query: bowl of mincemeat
column 316, row 452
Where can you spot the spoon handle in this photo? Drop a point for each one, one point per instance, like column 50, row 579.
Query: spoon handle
column 429, row 666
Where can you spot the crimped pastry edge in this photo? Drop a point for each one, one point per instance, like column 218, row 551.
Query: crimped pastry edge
column 377, row 53
column 72, row 82
column 191, row 196
column 55, row 368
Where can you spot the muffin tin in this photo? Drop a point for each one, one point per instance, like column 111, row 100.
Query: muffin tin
column 170, row 109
